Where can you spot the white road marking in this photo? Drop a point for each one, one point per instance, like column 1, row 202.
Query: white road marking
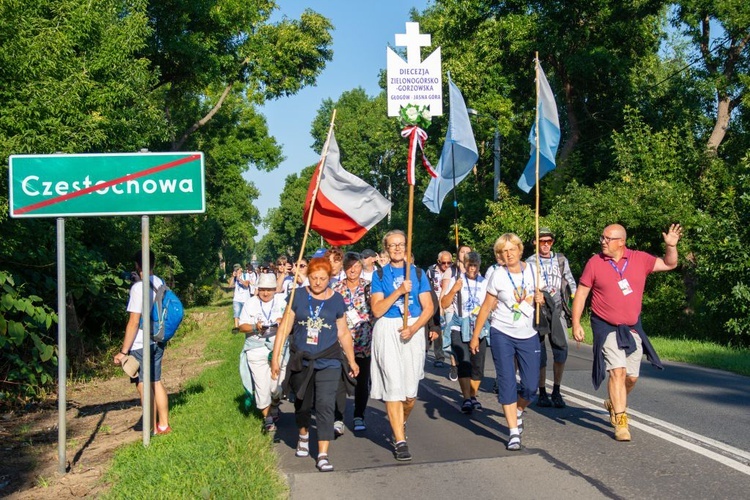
column 593, row 402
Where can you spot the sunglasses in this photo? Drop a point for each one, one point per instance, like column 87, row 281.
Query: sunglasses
column 301, row 265
column 445, row 263
column 546, row 242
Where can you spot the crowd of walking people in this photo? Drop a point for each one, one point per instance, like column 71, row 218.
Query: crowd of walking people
column 361, row 323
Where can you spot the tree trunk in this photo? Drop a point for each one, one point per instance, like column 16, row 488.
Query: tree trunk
column 723, row 113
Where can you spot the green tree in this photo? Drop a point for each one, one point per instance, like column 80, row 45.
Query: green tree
column 720, row 32
column 121, row 75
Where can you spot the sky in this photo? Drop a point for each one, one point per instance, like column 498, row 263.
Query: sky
column 362, row 33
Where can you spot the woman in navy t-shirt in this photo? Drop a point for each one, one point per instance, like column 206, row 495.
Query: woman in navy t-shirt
column 319, row 333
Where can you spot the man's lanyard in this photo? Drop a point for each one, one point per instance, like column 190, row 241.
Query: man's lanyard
column 270, row 310
column 617, row 270
column 544, row 268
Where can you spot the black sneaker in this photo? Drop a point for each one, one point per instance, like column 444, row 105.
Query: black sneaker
column 453, row 374
column 543, row 401
column 235, row 330
column 557, row 400
column 402, row 452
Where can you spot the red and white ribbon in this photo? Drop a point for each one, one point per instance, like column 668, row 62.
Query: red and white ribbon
column 416, row 136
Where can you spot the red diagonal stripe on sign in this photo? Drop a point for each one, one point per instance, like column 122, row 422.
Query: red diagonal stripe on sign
column 75, row 194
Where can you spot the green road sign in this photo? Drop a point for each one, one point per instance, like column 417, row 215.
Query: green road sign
column 62, row 185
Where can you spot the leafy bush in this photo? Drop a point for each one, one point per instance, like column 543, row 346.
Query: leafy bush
column 28, row 357
column 198, row 295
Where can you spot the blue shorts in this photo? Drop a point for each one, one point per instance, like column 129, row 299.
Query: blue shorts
column 526, row 352
column 237, row 308
column 447, row 333
column 156, row 354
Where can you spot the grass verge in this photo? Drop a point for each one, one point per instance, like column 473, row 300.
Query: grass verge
column 696, row 352
column 217, row 449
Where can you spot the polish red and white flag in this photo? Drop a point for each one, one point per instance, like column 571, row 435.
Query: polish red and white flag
column 346, row 207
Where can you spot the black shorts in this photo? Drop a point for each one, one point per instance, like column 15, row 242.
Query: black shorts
column 468, row 365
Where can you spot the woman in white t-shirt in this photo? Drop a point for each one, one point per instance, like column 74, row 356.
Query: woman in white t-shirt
column 466, row 293
column 511, row 294
column 259, row 321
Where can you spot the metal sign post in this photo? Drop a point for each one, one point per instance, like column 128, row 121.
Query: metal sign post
column 148, row 395
column 62, row 355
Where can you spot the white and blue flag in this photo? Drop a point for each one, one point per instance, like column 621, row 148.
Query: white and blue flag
column 549, row 136
column 459, row 152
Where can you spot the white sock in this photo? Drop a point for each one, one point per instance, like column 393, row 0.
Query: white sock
column 513, row 430
column 519, row 413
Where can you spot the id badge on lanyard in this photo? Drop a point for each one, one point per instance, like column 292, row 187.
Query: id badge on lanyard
column 625, row 286
column 353, row 317
column 623, row 283
column 312, row 335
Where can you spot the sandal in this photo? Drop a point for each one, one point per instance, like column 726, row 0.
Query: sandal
column 269, row 425
column 514, row 443
column 303, row 446
column 323, row 464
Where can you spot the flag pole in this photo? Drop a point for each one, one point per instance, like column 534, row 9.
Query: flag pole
column 455, row 197
column 407, row 257
column 453, row 163
column 285, row 319
column 536, row 184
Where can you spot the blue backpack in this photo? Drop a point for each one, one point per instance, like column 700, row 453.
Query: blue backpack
column 166, row 313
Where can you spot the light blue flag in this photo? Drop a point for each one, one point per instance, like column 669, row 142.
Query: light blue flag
column 459, row 152
column 549, row 137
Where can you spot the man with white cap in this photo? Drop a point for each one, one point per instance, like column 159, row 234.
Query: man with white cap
column 259, row 321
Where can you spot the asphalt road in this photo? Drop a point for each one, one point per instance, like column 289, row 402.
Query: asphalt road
column 689, row 427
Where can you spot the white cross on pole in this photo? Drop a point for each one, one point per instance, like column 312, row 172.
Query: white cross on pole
column 413, row 42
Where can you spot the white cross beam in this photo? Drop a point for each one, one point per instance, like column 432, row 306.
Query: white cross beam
column 413, row 42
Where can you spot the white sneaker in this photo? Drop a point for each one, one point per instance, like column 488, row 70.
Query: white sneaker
column 338, row 428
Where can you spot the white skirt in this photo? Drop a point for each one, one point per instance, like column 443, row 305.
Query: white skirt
column 397, row 366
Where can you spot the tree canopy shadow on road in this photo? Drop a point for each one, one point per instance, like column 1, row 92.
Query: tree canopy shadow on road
column 727, row 389
column 481, row 423
column 586, row 418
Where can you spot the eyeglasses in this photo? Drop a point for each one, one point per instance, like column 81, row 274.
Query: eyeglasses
column 445, row 263
column 392, row 246
column 546, row 242
column 607, row 239
column 301, row 265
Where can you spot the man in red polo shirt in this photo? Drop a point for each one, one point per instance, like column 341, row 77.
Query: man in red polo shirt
column 616, row 278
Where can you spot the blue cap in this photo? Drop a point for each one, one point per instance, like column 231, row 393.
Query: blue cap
column 320, row 252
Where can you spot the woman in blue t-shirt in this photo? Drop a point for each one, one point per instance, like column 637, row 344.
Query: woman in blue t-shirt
column 318, row 325
column 398, row 351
